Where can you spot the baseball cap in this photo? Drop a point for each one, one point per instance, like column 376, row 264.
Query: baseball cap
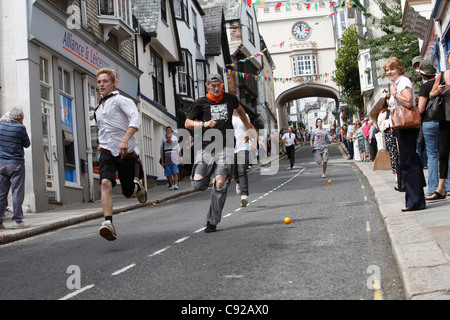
column 213, row 77
column 426, row 67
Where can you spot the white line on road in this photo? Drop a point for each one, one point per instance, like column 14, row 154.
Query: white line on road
column 73, row 294
column 181, row 240
column 123, row 269
column 225, row 216
column 199, row 230
column 158, row 252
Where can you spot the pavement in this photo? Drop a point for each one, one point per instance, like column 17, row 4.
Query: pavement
column 420, row 240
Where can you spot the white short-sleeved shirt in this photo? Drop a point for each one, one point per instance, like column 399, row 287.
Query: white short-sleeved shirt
column 289, row 138
column 113, row 120
column 402, row 83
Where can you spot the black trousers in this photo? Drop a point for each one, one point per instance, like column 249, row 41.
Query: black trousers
column 291, row 154
column 411, row 168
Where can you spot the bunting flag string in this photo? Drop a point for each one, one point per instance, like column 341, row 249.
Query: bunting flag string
column 282, row 43
column 300, row 79
column 307, row 5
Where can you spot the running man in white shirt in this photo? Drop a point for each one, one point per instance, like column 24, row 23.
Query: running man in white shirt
column 290, row 141
column 118, row 120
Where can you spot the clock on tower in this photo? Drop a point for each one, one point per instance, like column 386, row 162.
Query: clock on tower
column 301, row 30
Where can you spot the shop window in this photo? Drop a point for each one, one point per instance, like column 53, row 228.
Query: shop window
column 67, row 124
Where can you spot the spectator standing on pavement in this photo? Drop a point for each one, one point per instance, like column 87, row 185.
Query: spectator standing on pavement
column 290, row 140
column 444, row 132
column 118, row 120
column 318, row 142
column 361, row 141
column 170, row 159
column 384, row 125
column 430, row 129
column 13, row 139
column 6, row 118
column 372, row 141
column 402, row 96
column 349, row 139
column 213, row 114
column 365, row 129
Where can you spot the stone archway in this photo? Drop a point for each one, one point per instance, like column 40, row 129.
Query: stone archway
column 302, row 91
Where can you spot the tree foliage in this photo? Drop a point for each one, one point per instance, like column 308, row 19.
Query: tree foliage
column 396, row 40
column 347, row 69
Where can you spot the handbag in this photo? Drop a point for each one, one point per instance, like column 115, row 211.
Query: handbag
column 435, row 109
column 405, row 118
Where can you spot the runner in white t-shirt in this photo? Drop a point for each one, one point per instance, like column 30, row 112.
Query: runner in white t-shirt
column 290, row 140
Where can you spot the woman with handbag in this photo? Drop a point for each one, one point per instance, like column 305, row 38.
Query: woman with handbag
column 441, row 87
column 402, row 96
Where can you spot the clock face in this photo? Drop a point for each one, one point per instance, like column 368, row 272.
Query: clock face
column 301, row 30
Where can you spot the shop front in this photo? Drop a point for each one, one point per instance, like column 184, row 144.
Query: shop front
column 65, row 165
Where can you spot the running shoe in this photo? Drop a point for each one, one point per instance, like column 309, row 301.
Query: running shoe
column 108, row 231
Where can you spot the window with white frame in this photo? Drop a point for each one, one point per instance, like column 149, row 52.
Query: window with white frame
column 93, row 99
column 181, row 10
column 201, row 87
column 46, row 87
column 194, row 25
column 250, row 29
column 185, row 75
column 118, row 8
column 304, row 65
column 158, row 78
column 367, row 70
column 163, row 10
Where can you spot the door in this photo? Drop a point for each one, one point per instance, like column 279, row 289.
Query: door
column 48, row 130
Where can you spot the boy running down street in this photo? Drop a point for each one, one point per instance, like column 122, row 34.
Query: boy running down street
column 318, row 142
column 118, row 120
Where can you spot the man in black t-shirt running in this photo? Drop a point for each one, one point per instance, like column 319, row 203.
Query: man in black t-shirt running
column 213, row 114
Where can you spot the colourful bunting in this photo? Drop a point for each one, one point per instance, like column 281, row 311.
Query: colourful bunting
column 302, row 80
column 281, row 44
column 342, row 3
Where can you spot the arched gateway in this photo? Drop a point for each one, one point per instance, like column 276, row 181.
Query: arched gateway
column 302, row 91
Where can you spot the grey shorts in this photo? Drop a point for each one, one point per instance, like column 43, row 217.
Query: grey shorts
column 321, row 155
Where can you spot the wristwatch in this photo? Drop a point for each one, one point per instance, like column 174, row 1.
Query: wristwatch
column 395, row 94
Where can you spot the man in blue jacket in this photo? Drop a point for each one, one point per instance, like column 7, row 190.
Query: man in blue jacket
column 13, row 139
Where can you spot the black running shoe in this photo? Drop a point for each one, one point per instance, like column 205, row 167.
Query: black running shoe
column 210, row 228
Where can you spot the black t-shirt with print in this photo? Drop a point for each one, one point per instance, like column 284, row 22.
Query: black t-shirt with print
column 204, row 109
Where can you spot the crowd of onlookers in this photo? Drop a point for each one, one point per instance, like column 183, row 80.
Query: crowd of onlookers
column 410, row 150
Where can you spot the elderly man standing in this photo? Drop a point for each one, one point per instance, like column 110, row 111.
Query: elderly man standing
column 13, row 139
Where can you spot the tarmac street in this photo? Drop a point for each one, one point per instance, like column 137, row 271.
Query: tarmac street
column 347, row 239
